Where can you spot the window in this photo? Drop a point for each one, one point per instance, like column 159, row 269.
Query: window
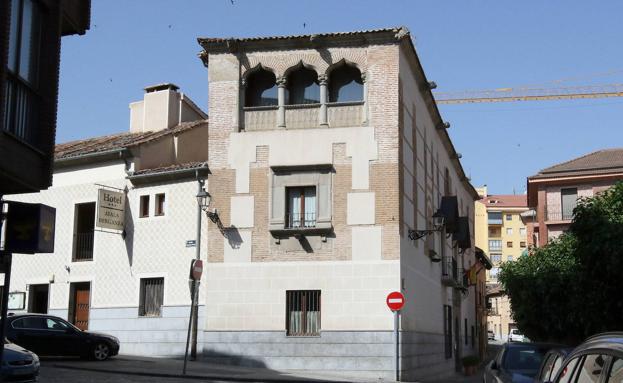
column 303, row 312
column 522, row 244
column 37, row 323
column 493, row 273
column 473, row 337
column 509, row 258
column 496, row 257
column 301, row 207
column 345, row 84
column 447, row 330
column 151, row 297
column 567, row 371
column 465, row 332
column 494, row 232
column 84, row 227
column 509, row 244
column 303, row 87
column 509, row 217
column 23, row 70
column 159, row 210
column 569, row 199
column 495, row 244
column 494, row 217
column 261, row 88
column 591, row 368
column 54, row 324
column 522, row 231
column 616, row 371
column 509, row 231
column 144, row 208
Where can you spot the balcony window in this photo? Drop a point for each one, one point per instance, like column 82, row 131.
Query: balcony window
column 509, row 231
column 494, row 217
column 303, row 87
column 261, row 89
column 301, row 209
column 22, row 99
column 84, row 226
column 522, row 231
column 569, row 200
column 495, row 244
column 345, row 84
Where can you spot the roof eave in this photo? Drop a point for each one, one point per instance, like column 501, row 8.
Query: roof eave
column 168, row 175
column 89, row 158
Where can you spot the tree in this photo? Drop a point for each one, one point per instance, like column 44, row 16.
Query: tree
column 572, row 287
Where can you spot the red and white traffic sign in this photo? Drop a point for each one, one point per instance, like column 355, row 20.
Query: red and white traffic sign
column 395, row 300
column 196, row 269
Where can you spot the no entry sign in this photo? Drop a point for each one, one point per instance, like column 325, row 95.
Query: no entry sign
column 395, row 300
column 196, row 269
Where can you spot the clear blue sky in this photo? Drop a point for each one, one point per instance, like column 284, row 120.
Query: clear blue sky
column 462, row 45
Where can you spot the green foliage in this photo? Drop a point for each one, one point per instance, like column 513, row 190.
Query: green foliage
column 571, row 288
column 470, row 360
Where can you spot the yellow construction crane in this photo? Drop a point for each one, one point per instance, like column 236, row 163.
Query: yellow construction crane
column 529, row 94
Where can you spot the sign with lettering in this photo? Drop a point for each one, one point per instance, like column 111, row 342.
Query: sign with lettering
column 110, row 209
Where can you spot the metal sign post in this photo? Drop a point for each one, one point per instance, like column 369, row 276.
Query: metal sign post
column 196, row 269
column 395, row 301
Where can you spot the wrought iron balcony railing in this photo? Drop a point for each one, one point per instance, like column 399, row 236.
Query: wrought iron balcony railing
column 83, row 246
column 301, row 220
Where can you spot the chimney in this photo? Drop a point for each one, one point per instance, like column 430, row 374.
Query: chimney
column 162, row 107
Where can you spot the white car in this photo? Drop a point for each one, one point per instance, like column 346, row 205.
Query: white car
column 516, row 336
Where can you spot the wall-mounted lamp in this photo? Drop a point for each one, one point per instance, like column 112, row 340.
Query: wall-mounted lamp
column 432, row 85
column 203, row 200
column 439, row 220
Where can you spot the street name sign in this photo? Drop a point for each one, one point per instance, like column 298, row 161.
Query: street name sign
column 395, row 300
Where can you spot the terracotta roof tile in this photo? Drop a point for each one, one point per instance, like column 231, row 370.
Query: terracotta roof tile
column 505, row 200
column 117, row 141
column 600, row 162
column 163, row 169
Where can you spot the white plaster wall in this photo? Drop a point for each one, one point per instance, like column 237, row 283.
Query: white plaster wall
column 360, row 208
column 252, row 296
column 154, row 246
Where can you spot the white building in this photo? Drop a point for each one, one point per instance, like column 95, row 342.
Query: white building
column 325, row 152
column 131, row 284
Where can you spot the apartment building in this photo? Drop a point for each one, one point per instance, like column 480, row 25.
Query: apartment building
column 502, row 232
column 125, row 228
column 327, row 154
column 553, row 192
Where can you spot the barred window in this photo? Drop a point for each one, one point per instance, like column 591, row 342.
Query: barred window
column 151, row 297
column 303, row 312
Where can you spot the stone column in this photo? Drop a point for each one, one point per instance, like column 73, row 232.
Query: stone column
column 323, row 81
column 281, row 98
column 364, row 79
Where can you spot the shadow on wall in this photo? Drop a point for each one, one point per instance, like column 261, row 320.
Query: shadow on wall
column 233, row 237
column 129, row 232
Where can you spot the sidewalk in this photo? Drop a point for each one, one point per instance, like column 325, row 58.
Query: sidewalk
column 198, row 370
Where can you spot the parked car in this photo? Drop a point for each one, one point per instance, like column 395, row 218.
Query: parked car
column 18, row 364
column 598, row 359
column 490, row 335
column 516, row 363
column 552, row 361
column 52, row 336
column 516, row 336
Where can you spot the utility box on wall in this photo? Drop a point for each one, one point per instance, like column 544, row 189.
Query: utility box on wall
column 30, row 228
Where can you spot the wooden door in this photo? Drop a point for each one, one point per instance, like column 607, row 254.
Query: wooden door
column 82, row 295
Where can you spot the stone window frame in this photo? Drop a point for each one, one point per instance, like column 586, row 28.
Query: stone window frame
column 283, row 177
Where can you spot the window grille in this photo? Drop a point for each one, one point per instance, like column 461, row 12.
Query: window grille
column 303, row 312
column 151, row 297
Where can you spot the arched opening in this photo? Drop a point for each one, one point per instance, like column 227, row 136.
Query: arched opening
column 261, row 89
column 303, row 87
column 345, row 84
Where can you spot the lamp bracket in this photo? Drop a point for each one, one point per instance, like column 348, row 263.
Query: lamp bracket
column 414, row 235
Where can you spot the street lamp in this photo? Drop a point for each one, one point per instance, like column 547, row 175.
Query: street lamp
column 203, row 201
column 439, row 221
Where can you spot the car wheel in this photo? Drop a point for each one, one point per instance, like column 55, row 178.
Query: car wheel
column 101, row 351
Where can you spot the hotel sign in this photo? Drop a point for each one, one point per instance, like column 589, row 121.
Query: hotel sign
column 110, row 209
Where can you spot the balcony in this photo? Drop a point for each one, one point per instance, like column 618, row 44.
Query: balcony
column 345, row 114
column 449, row 271
column 302, row 116
column 494, row 218
column 301, row 220
column 558, row 213
column 260, row 118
